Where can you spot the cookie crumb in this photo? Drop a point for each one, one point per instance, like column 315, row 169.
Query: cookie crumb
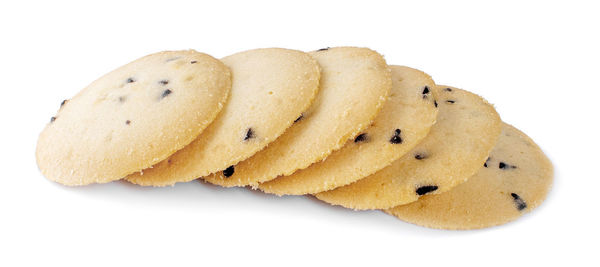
column 521, row 205
column 426, row 189
column 166, row 93
column 249, row 134
column 396, row 139
column 363, row 137
column 229, row 171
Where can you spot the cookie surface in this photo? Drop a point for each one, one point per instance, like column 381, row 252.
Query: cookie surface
column 355, row 83
column 514, row 180
column 133, row 117
column 404, row 121
column 270, row 89
column 458, row 144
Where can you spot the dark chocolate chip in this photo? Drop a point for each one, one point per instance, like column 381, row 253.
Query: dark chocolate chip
column 448, row 89
column 420, row 156
column 361, row 138
column 505, row 166
column 249, row 134
column 435, row 103
column 396, row 139
column 323, row 49
column 130, row 80
column 425, row 91
column 52, row 119
column 426, row 189
column 166, row 93
column 127, row 122
column 63, row 102
column 451, row 101
column 521, row 205
column 193, row 62
column 164, row 82
column 299, row 118
column 229, row 171
column 486, row 162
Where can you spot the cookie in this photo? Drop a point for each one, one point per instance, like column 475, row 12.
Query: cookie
column 404, row 121
column 270, row 90
column 355, row 83
column 514, row 180
column 458, row 144
column 133, row 117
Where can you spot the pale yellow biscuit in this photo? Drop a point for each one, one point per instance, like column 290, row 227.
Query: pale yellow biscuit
column 458, row 144
column 404, row 121
column 133, row 117
column 270, row 89
column 355, row 83
column 514, row 180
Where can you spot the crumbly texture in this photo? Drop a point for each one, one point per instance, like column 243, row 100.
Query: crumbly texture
column 355, row 83
column 270, row 90
column 514, row 180
column 133, row 117
column 409, row 109
column 458, row 144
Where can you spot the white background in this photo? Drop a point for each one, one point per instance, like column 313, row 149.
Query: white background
column 538, row 62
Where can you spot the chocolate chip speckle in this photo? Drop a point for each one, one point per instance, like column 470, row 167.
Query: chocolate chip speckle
column 435, row 103
column 166, row 93
column 249, row 134
column 486, row 162
column 299, row 118
column 505, row 166
column 323, row 49
column 127, row 122
column 450, row 101
column 229, row 171
column 164, row 82
column 130, row 80
column 122, row 99
column 448, row 89
column 425, row 91
column 396, row 139
column 63, row 102
column 52, row 119
column 193, row 62
column 426, row 189
column 521, row 205
column 363, row 137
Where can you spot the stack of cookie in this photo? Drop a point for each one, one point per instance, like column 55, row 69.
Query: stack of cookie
column 336, row 123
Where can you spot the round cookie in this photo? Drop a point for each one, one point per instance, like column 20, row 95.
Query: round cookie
column 133, row 117
column 404, row 121
column 458, row 144
column 514, row 180
column 270, row 89
column 355, row 83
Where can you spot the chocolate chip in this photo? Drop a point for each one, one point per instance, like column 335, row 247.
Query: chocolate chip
column 426, row 189
column 361, row 138
column 396, row 139
column 425, row 91
column 323, row 49
column 448, row 89
column 229, row 171
column 451, row 101
column 63, row 102
column 486, row 162
column 505, row 166
column 193, row 62
column 521, row 205
column 127, row 122
column 249, row 134
column 164, row 82
column 122, row 99
column 130, row 80
column 52, row 119
column 166, row 93
column 299, row 118
column 420, row 156
column 435, row 103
